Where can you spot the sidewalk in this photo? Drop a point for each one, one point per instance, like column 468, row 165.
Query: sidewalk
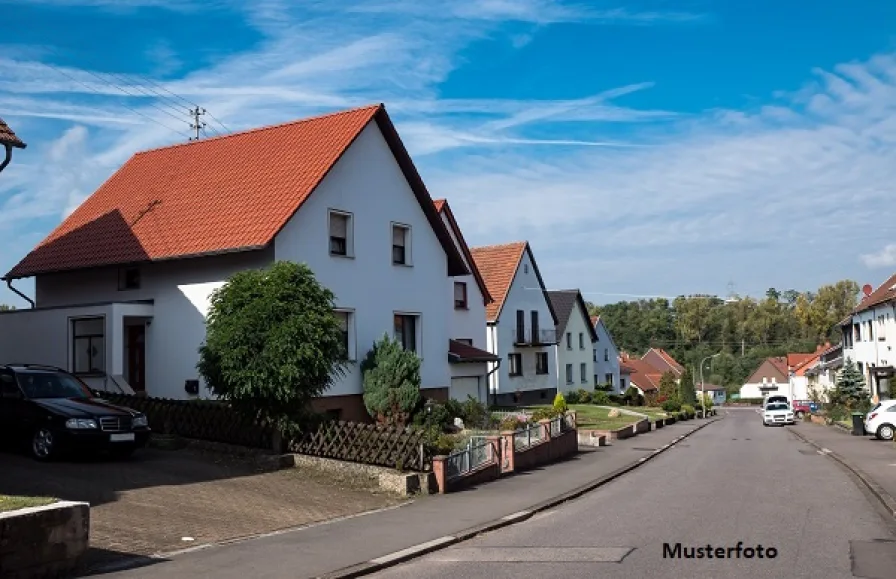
column 875, row 458
column 325, row 548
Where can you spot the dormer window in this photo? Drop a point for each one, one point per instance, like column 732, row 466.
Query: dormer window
column 128, row 278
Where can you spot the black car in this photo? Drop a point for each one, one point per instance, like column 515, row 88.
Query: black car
column 54, row 412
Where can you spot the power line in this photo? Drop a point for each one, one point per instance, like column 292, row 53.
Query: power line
column 177, row 96
column 70, row 77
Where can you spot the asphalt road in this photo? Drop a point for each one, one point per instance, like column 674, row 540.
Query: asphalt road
column 735, row 482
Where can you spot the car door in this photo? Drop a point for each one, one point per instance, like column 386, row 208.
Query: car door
column 12, row 406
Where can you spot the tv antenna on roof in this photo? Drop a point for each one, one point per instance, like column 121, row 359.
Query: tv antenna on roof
column 198, row 124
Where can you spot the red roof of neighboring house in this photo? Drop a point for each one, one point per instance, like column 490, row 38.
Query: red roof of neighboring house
column 885, row 292
column 218, row 195
column 780, row 363
column 800, row 363
column 670, row 362
column 442, row 207
column 460, row 352
column 498, row 265
column 8, row 137
column 643, row 374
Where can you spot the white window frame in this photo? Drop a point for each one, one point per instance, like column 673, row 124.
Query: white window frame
column 466, row 296
column 349, row 233
column 352, row 353
column 606, row 354
column 408, row 245
column 418, row 330
column 570, row 377
column 569, row 340
column 72, row 321
column 583, row 373
column 581, row 340
column 547, row 363
column 510, row 358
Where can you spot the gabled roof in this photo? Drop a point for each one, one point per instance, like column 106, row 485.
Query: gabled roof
column 458, row 352
column 803, row 362
column 219, row 195
column 443, row 208
column 668, row 361
column 499, row 265
column 8, row 137
column 564, row 303
column 884, row 293
column 643, row 375
column 779, row 364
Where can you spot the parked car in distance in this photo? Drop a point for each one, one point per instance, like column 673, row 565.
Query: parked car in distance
column 54, row 412
column 881, row 420
column 803, row 407
column 777, row 413
column 773, row 398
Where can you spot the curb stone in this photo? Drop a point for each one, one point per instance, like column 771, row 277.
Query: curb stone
column 398, row 557
column 885, row 498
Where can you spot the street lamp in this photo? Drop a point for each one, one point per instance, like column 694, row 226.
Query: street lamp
column 702, row 385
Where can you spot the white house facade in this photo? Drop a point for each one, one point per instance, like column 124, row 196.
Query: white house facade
column 575, row 341
column 606, row 358
column 521, row 325
column 869, row 339
column 467, row 349
column 365, row 225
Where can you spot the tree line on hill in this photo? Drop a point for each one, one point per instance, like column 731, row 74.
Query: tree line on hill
column 743, row 330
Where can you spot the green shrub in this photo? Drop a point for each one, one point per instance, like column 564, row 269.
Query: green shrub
column 475, row 414
column 584, row 396
column 391, row 382
column 545, row 413
column 560, row 403
column 511, row 423
column 672, row 406
column 572, row 397
column 689, row 410
column 602, row 398
column 615, row 399
column 439, row 416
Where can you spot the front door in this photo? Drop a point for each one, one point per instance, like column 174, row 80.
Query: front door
column 136, row 337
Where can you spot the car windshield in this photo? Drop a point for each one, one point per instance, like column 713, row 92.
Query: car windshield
column 51, row 385
column 777, row 406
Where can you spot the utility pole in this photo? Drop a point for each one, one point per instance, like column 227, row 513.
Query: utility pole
column 743, row 345
column 198, row 124
column 702, row 385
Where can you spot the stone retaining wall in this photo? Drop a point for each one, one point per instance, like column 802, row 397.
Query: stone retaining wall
column 46, row 541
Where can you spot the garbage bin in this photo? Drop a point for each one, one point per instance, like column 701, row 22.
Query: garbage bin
column 858, row 424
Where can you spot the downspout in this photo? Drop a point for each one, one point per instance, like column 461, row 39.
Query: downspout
column 17, row 292
column 8, row 156
column 487, row 376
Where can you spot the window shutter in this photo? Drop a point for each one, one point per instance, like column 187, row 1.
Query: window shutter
column 459, row 291
column 338, row 225
column 398, row 236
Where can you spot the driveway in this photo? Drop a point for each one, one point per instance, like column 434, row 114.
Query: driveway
column 161, row 500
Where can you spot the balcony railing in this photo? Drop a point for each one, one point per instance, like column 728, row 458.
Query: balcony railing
column 527, row 337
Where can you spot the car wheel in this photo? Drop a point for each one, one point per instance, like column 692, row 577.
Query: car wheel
column 885, row 432
column 43, row 444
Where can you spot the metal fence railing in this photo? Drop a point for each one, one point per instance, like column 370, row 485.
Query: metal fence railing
column 557, row 426
column 528, row 436
column 478, row 452
column 568, row 422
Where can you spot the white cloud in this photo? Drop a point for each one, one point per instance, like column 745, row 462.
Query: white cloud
column 886, row 257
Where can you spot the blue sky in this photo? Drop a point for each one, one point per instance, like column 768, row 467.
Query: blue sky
column 643, row 148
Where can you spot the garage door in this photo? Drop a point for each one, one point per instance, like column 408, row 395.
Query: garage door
column 463, row 387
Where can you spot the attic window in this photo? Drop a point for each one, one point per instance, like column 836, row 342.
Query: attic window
column 128, row 278
column 525, row 268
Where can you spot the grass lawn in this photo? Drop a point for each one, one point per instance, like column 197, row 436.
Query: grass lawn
column 593, row 417
column 9, row 503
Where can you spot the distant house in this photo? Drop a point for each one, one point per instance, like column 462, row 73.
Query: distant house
column 718, row 393
column 771, row 377
column 522, row 325
column 822, row 375
column 869, row 338
column 625, row 375
column 606, row 358
column 663, row 362
column 467, row 329
column 576, row 339
column 9, row 141
column 122, row 286
column 642, row 375
column 798, row 367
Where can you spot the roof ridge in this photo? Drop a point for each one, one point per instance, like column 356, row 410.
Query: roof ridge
column 262, row 128
column 498, row 245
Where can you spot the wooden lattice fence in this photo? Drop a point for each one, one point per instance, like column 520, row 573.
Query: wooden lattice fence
column 199, row 419
column 392, row 447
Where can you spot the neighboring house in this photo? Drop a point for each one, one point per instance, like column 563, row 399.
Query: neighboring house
column 625, row 375
column 467, row 330
column 663, row 362
column 521, row 325
column 869, row 338
column 576, row 340
column 822, row 376
column 122, row 286
column 717, row 393
column 9, row 141
column 606, row 358
column 642, row 375
column 769, row 378
column 798, row 366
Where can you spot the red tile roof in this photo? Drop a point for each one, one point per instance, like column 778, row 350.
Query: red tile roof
column 498, row 265
column 643, row 375
column 8, row 137
column 884, row 293
column 460, row 352
column 443, row 208
column 800, row 363
column 780, row 363
column 670, row 360
column 218, row 195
